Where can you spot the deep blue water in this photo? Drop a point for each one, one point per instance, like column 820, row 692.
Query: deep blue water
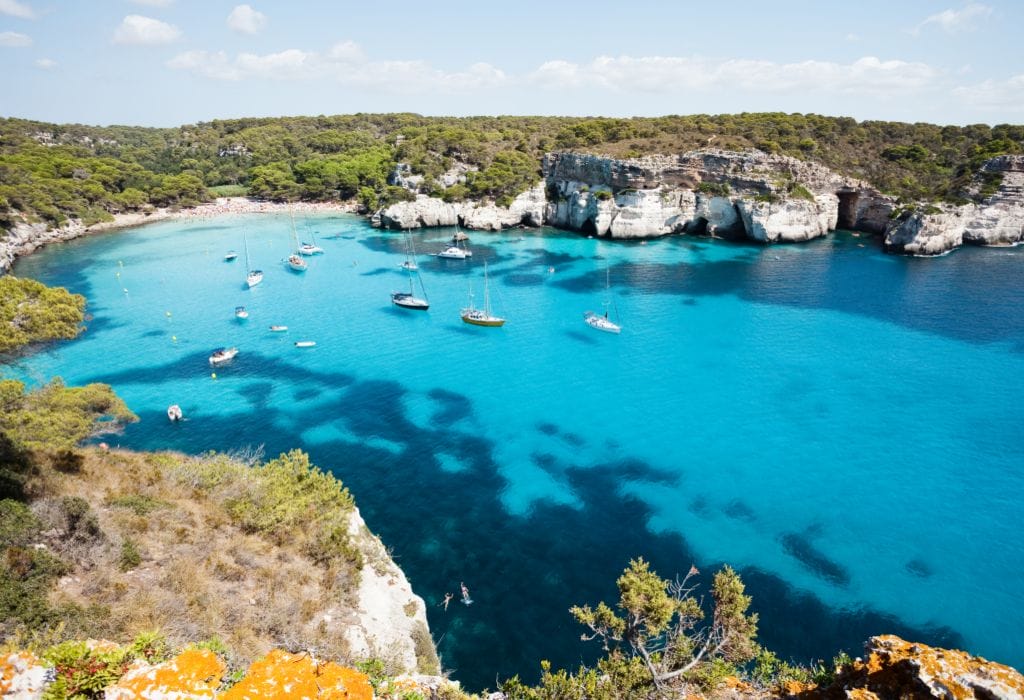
column 841, row 426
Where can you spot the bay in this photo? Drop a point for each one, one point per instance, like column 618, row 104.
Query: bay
column 839, row 425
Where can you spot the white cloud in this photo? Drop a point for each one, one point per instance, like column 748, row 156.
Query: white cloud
column 16, row 9
column 46, row 63
column 344, row 63
column 953, row 21
column 668, row 74
column 15, row 39
column 994, row 95
column 245, row 20
column 136, row 29
column 153, row 3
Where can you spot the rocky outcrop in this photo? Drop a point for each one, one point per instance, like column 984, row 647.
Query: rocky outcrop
column 997, row 220
column 895, row 668
column 526, row 209
column 754, row 195
column 391, row 619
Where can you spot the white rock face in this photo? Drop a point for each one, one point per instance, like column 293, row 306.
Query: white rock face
column 390, row 615
column 423, row 211
column 720, row 213
column 928, row 234
column 661, row 211
column 26, row 238
column 527, row 208
column 789, row 221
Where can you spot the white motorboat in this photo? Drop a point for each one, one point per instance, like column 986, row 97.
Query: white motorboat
column 454, row 253
column 305, row 344
column 231, row 255
column 174, row 413
column 222, row 355
column 240, row 313
column 278, row 329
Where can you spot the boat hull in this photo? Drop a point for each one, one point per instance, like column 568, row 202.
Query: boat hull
column 487, row 321
column 600, row 323
column 254, row 279
column 413, row 304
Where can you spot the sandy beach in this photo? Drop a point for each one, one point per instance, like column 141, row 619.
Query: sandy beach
column 220, row 207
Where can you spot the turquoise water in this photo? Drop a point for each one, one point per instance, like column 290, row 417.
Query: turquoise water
column 841, row 426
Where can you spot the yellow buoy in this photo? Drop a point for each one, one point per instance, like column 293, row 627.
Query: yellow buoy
column 168, row 313
column 213, row 375
column 174, row 339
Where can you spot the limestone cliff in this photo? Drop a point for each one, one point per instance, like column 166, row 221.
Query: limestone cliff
column 996, row 220
column 745, row 195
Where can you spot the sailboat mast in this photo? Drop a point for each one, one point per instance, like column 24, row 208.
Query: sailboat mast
column 487, row 292
column 245, row 244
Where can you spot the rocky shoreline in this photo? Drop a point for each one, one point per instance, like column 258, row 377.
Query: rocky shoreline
column 25, row 238
column 747, row 195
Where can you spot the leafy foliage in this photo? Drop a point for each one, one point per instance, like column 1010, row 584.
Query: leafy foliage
column 31, row 312
column 55, row 417
column 84, row 671
column 660, row 623
column 51, row 172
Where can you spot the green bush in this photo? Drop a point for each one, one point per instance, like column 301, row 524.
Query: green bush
column 130, row 556
column 31, row 312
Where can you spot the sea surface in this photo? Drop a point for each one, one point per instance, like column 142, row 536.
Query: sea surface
column 841, row 426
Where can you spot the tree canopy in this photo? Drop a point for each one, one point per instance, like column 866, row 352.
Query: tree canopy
column 51, row 172
column 31, row 312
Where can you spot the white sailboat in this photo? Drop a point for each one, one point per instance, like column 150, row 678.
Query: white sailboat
column 310, row 248
column 252, row 277
column 409, row 300
column 295, row 260
column 481, row 317
column 410, row 255
column 601, row 322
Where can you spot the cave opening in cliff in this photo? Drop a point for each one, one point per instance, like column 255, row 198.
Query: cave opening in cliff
column 698, row 227
column 588, row 227
column 847, row 210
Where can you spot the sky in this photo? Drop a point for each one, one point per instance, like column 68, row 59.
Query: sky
column 173, row 62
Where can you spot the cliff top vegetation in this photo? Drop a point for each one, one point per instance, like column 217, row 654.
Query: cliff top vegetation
column 51, row 172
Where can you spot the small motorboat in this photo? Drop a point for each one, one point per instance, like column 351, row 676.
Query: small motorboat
column 231, row 255
column 410, row 265
column 240, row 313
column 409, row 301
column 222, row 355
column 454, row 253
column 305, row 344
column 310, row 249
column 278, row 329
column 174, row 413
column 601, row 322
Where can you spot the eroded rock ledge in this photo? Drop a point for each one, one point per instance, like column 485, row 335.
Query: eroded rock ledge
column 750, row 195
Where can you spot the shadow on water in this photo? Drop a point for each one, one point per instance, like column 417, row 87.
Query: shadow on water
column 444, row 526
column 832, row 275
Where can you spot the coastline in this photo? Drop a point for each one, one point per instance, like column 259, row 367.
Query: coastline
column 25, row 238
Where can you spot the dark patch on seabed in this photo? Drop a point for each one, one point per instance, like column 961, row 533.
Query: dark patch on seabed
column 823, row 275
column 523, row 572
column 800, row 547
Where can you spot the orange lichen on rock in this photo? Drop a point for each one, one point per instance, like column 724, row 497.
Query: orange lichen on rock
column 794, row 688
column 22, row 675
column 195, row 673
column 283, row 675
column 897, row 668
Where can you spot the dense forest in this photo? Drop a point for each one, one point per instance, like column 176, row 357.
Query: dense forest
column 53, row 172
